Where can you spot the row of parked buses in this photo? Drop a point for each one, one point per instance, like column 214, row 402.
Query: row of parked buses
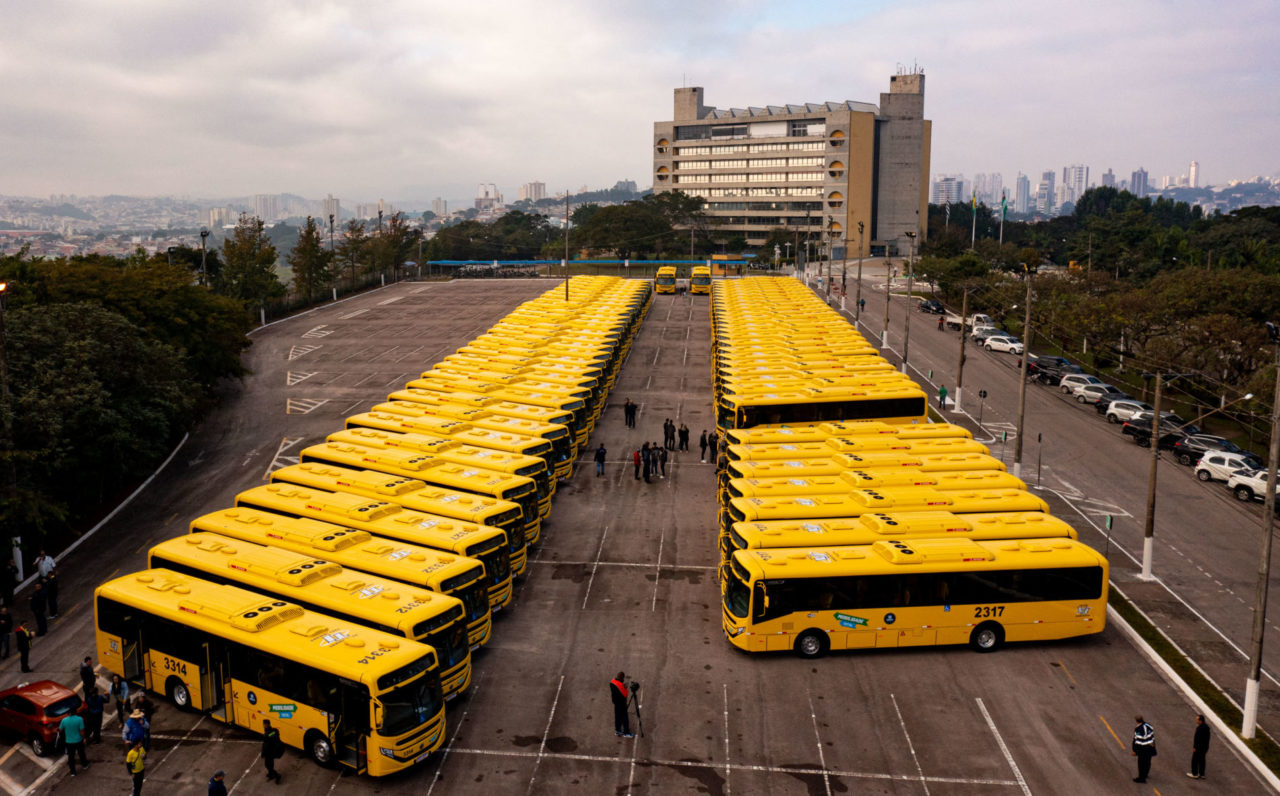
column 847, row 519
column 343, row 600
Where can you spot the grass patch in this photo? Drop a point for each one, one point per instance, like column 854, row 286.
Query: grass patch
column 1267, row 750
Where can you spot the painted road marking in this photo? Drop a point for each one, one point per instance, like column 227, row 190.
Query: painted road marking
column 316, row 332
column 542, row 747
column 910, row 746
column 351, row 315
column 301, row 351
column 822, row 756
column 1017, row 774
column 391, row 300
column 293, row 377
column 280, row 460
column 303, row 406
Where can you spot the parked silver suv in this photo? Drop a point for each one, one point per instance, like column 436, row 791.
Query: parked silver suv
column 1122, row 410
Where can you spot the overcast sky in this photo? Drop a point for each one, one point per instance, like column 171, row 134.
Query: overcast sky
column 410, row 100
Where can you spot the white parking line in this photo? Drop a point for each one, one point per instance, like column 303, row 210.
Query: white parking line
column 910, row 746
column 595, row 566
column 817, row 736
column 657, row 575
column 542, row 747
column 1005, row 749
column 728, row 789
column 471, row 696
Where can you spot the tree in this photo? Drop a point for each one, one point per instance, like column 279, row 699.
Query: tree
column 352, row 249
column 311, row 261
column 249, row 260
column 391, row 247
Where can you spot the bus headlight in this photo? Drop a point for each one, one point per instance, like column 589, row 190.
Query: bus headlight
column 737, row 631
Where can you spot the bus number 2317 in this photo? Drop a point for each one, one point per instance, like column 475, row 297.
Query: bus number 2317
column 984, row 611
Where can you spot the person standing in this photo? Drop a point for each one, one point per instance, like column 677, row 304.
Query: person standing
column 45, row 564
column 272, row 749
column 621, row 716
column 670, row 442
column 72, row 729
column 217, row 787
column 120, row 692
column 137, row 729
column 635, row 459
column 662, row 461
column 600, row 454
column 87, row 676
column 646, row 457
column 684, row 437
column 51, row 593
column 1199, row 748
column 942, row 397
column 135, row 762
column 95, row 704
column 22, row 637
column 1144, row 747
column 39, row 602
column 702, row 444
column 6, row 627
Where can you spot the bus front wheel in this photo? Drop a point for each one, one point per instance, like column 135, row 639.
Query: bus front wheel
column 178, row 693
column 811, row 644
column 987, row 637
column 320, row 748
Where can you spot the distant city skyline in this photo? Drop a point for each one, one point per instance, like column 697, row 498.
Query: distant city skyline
column 422, row 100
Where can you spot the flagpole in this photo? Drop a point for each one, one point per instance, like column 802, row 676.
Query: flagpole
column 1004, row 206
column 973, row 210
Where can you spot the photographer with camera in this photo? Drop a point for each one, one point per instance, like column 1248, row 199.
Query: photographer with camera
column 621, row 715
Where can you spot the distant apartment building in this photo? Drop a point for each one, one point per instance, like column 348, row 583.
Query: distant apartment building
column 372, row 210
column 266, row 207
column 819, row 169
column 949, row 188
column 1109, row 179
column 1138, row 183
column 989, row 188
column 222, row 217
column 1046, row 192
column 332, row 210
column 532, row 192
column 1193, row 174
column 1075, row 178
column 440, row 207
column 487, row 197
column 1022, row 194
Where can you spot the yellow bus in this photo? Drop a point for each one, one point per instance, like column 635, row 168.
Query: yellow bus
column 419, row 496
column 849, row 480
column 903, row 403
column 840, row 462
column 665, row 281
column 325, row 587
column 923, row 592
column 438, row 461
column 854, row 445
column 495, row 413
column 874, row 527
column 452, row 384
column 477, row 442
column 484, row 544
column 700, row 280
column 857, row 502
column 442, row 573
column 344, row 693
column 821, row 432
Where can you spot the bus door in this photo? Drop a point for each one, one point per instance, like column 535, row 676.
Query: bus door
column 211, row 693
column 349, row 725
column 131, row 658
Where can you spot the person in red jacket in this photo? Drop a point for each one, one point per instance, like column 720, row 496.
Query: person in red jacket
column 635, row 459
column 621, row 717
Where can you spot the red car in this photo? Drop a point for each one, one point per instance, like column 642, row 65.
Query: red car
column 32, row 711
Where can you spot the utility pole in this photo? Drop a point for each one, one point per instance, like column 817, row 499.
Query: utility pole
column 964, row 312
column 204, row 235
column 888, row 276
column 1022, row 376
column 331, row 220
column 6, row 423
column 1149, row 526
column 906, row 324
column 1264, row 554
column 857, row 313
column 566, row 244
column 830, row 223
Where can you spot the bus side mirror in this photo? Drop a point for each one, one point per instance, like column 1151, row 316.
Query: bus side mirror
column 377, row 714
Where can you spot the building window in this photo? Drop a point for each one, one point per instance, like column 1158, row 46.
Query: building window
column 692, row 132
column 768, row 163
column 728, row 131
column 684, row 151
column 801, row 128
column 685, row 179
column 804, row 161
column 804, row 176
column 727, row 178
column 727, row 164
column 806, row 146
column 836, row 169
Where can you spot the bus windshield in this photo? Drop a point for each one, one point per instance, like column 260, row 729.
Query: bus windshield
column 737, row 597
column 409, row 706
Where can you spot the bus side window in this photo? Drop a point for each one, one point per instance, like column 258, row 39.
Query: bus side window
column 759, row 611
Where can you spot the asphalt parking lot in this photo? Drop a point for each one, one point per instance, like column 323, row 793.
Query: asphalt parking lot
column 624, row 579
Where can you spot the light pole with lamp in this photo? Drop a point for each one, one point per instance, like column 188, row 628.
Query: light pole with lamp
column 204, row 235
column 170, row 253
column 857, row 313
column 906, row 324
column 1022, row 375
column 1264, row 555
column 6, row 423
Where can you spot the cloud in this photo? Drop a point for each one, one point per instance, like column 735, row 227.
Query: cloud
column 410, row 100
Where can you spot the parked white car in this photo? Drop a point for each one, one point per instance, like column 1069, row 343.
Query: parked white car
column 1090, row 393
column 1248, row 484
column 1000, row 342
column 981, row 333
column 1073, row 380
column 1122, row 410
column 1221, row 465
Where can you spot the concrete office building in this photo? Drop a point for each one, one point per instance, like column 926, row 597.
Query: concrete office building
column 1193, row 174
column 817, row 169
column 440, row 207
column 1138, row 183
column 1075, row 178
column 1109, row 179
column 1022, row 194
column 948, row 189
column 532, row 192
column 332, row 209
